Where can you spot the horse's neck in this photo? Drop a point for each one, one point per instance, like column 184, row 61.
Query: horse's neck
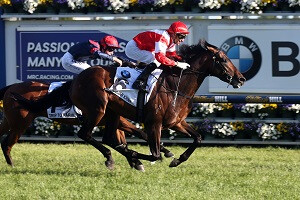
column 188, row 84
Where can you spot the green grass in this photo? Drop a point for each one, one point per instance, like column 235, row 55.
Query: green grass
column 51, row 171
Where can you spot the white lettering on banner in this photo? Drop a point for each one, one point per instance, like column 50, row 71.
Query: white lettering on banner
column 100, row 62
column 122, row 47
column 221, row 99
column 262, row 52
column 275, row 99
column 49, row 77
column 49, row 47
column 44, row 62
column 30, row 46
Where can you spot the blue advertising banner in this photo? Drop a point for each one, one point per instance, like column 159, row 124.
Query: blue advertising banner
column 2, row 52
column 39, row 53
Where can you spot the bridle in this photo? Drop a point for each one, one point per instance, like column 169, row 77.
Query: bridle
column 217, row 61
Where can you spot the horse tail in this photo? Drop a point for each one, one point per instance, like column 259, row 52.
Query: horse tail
column 58, row 97
column 2, row 92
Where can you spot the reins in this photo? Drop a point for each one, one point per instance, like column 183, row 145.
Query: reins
column 229, row 77
column 177, row 86
column 196, row 73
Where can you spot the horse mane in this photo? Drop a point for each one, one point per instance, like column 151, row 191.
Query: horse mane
column 187, row 52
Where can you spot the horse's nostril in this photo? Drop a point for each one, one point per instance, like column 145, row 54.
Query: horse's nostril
column 242, row 79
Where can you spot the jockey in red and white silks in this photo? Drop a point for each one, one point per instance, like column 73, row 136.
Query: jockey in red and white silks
column 75, row 59
column 143, row 49
column 157, row 47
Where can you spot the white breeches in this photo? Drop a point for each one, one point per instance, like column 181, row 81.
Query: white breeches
column 133, row 52
column 72, row 65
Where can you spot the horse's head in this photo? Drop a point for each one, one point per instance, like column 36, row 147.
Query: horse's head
column 209, row 60
column 223, row 68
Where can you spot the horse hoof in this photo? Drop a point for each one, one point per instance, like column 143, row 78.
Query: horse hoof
column 169, row 154
column 152, row 163
column 110, row 165
column 175, row 162
column 140, row 168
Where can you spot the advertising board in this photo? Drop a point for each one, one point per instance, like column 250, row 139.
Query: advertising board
column 39, row 49
column 39, row 53
column 267, row 55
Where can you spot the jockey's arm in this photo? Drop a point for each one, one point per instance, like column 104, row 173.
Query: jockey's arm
column 173, row 55
column 127, row 63
column 105, row 56
column 163, row 59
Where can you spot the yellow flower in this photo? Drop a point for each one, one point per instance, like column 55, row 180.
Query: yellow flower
column 133, row 2
column 226, row 106
column 237, row 126
column 176, row 2
column 270, row 106
column 269, row 1
column 283, row 128
column 57, row 125
column 5, row 3
column 45, row 2
column 89, row 3
column 1, row 104
column 226, row 2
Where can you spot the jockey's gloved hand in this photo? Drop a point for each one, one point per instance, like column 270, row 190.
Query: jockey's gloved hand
column 182, row 65
column 117, row 60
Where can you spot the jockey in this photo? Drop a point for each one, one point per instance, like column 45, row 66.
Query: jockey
column 73, row 60
column 156, row 47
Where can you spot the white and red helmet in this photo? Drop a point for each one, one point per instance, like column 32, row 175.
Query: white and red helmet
column 109, row 41
column 178, row 28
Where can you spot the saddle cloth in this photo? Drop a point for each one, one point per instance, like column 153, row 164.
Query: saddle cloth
column 123, row 80
column 62, row 112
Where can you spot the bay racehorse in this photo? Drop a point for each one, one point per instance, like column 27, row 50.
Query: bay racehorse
column 17, row 119
column 169, row 103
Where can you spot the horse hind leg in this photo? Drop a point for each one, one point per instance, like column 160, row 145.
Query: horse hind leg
column 115, row 138
column 85, row 133
column 117, row 141
column 4, row 128
column 8, row 142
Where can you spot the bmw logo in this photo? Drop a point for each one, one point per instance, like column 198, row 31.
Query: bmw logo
column 125, row 74
column 244, row 54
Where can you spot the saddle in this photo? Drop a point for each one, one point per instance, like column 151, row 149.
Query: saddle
column 122, row 87
column 62, row 111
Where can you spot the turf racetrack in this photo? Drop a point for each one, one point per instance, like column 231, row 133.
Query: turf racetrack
column 52, row 171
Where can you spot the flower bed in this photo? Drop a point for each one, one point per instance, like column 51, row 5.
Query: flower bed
column 255, row 128
column 207, row 126
column 127, row 6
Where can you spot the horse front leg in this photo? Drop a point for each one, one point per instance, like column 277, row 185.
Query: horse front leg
column 154, row 134
column 185, row 128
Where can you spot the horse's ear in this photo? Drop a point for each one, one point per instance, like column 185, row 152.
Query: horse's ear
column 203, row 44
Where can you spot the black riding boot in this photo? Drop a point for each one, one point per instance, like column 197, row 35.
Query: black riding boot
column 141, row 81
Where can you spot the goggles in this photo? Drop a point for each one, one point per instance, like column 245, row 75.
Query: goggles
column 110, row 49
column 181, row 36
